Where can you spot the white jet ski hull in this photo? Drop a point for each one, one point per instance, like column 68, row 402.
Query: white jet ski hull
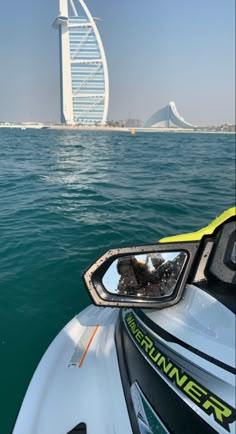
column 78, row 381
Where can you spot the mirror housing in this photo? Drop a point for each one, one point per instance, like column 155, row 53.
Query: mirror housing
column 150, row 276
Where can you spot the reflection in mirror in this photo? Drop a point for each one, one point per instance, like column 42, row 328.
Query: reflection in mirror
column 147, row 275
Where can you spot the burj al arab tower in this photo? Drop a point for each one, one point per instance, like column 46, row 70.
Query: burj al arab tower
column 83, row 68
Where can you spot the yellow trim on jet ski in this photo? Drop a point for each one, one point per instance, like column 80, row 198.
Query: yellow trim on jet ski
column 208, row 230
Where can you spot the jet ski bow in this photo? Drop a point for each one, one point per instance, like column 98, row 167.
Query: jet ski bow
column 155, row 354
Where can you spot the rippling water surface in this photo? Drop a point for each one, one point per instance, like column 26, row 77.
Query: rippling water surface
column 65, row 198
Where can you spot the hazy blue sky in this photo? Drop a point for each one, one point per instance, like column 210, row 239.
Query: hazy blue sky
column 157, row 51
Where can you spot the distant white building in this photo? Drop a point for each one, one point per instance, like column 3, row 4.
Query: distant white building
column 167, row 117
column 83, row 68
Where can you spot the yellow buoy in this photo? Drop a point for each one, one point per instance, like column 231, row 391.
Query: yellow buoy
column 132, row 131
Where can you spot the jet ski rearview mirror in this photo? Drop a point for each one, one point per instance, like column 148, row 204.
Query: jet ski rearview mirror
column 142, row 276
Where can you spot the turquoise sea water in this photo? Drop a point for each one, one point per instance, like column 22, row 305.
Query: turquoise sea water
column 65, row 198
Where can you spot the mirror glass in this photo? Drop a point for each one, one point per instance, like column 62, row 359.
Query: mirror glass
column 145, row 275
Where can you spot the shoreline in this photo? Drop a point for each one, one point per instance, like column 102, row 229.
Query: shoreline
column 85, row 128
column 131, row 130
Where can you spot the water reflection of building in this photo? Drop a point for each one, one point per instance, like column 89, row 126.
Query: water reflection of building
column 84, row 83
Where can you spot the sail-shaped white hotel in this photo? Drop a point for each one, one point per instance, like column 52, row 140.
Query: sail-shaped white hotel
column 83, row 67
